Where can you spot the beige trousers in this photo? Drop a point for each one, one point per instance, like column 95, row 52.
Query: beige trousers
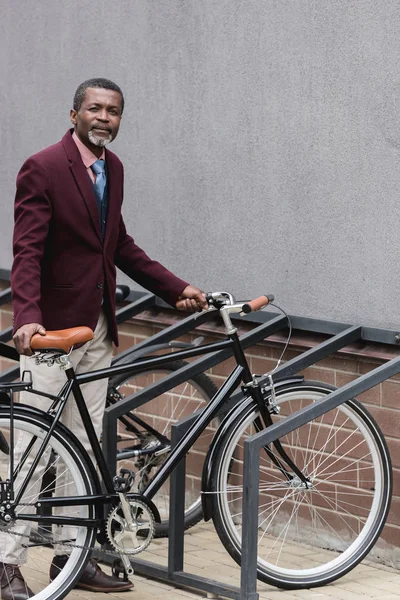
column 96, row 354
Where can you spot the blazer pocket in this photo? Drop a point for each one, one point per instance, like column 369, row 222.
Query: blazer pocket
column 59, row 286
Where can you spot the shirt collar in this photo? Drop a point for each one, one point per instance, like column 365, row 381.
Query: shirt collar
column 87, row 156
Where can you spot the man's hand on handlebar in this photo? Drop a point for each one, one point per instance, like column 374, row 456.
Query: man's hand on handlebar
column 192, row 299
column 23, row 335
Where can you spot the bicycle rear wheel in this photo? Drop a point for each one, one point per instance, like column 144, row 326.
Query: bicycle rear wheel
column 32, row 543
column 308, row 535
column 139, row 446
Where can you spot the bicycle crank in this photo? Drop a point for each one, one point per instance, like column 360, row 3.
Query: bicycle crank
column 130, row 526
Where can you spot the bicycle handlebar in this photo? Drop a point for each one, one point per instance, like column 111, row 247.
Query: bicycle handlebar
column 224, row 300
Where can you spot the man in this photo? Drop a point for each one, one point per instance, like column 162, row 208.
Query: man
column 69, row 237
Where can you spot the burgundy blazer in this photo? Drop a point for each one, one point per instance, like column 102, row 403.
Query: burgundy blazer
column 62, row 269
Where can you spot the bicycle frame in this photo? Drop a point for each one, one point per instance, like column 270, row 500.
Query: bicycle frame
column 73, row 384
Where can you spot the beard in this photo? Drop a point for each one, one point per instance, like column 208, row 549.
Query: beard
column 99, row 141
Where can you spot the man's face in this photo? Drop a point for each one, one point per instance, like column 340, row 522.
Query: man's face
column 97, row 121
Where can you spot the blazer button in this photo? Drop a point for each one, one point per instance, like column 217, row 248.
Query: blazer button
column 100, row 286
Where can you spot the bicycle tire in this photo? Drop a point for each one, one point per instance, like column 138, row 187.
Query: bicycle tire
column 308, row 537
column 179, row 402
column 73, row 470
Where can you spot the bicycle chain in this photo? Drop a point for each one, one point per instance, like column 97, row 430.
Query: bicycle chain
column 70, row 545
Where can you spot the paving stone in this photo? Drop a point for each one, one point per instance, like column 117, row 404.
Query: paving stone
column 207, row 558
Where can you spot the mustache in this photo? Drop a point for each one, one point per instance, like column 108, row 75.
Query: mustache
column 100, row 127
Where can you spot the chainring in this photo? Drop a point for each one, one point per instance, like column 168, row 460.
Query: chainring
column 134, row 537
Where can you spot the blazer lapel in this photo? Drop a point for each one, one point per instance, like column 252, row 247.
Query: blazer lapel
column 83, row 182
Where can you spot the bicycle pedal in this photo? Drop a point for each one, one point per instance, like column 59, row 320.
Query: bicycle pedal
column 124, row 481
column 118, row 568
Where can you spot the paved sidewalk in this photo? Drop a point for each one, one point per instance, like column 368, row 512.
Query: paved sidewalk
column 204, row 555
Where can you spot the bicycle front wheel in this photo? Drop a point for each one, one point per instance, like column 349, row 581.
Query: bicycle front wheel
column 145, row 435
column 308, row 534
column 28, row 537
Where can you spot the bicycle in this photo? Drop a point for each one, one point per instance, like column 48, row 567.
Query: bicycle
column 324, row 490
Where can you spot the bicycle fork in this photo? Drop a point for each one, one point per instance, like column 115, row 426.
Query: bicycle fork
column 252, row 387
column 263, row 403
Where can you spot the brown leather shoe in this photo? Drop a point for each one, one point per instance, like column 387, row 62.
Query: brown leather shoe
column 13, row 586
column 92, row 578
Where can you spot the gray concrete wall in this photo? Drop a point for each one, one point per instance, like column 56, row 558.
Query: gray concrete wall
column 261, row 138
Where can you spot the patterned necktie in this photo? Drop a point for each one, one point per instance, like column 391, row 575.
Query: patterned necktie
column 99, row 185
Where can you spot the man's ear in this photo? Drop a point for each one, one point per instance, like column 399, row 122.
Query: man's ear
column 72, row 116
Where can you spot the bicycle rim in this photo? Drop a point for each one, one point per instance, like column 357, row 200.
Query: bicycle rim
column 63, row 471
column 161, row 413
column 308, row 536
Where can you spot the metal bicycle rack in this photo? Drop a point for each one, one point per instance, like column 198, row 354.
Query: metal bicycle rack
column 266, row 324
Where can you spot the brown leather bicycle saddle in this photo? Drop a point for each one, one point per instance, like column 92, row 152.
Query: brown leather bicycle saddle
column 63, row 339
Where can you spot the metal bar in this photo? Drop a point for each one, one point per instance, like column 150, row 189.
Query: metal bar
column 168, row 334
column 300, row 323
column 176, row 506
column 133, row 308
column 5, row 296
column 148, row 569
column 248, row 566
column 8, row 352
column 9, row 375
column 6, row 334
column 314, row 355
column 207, row 585
column 337, row 397
column 381, row 336
column 369, row 334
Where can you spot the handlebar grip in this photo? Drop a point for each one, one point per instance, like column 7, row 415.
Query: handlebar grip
column 257, row 303
column 122, row 292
